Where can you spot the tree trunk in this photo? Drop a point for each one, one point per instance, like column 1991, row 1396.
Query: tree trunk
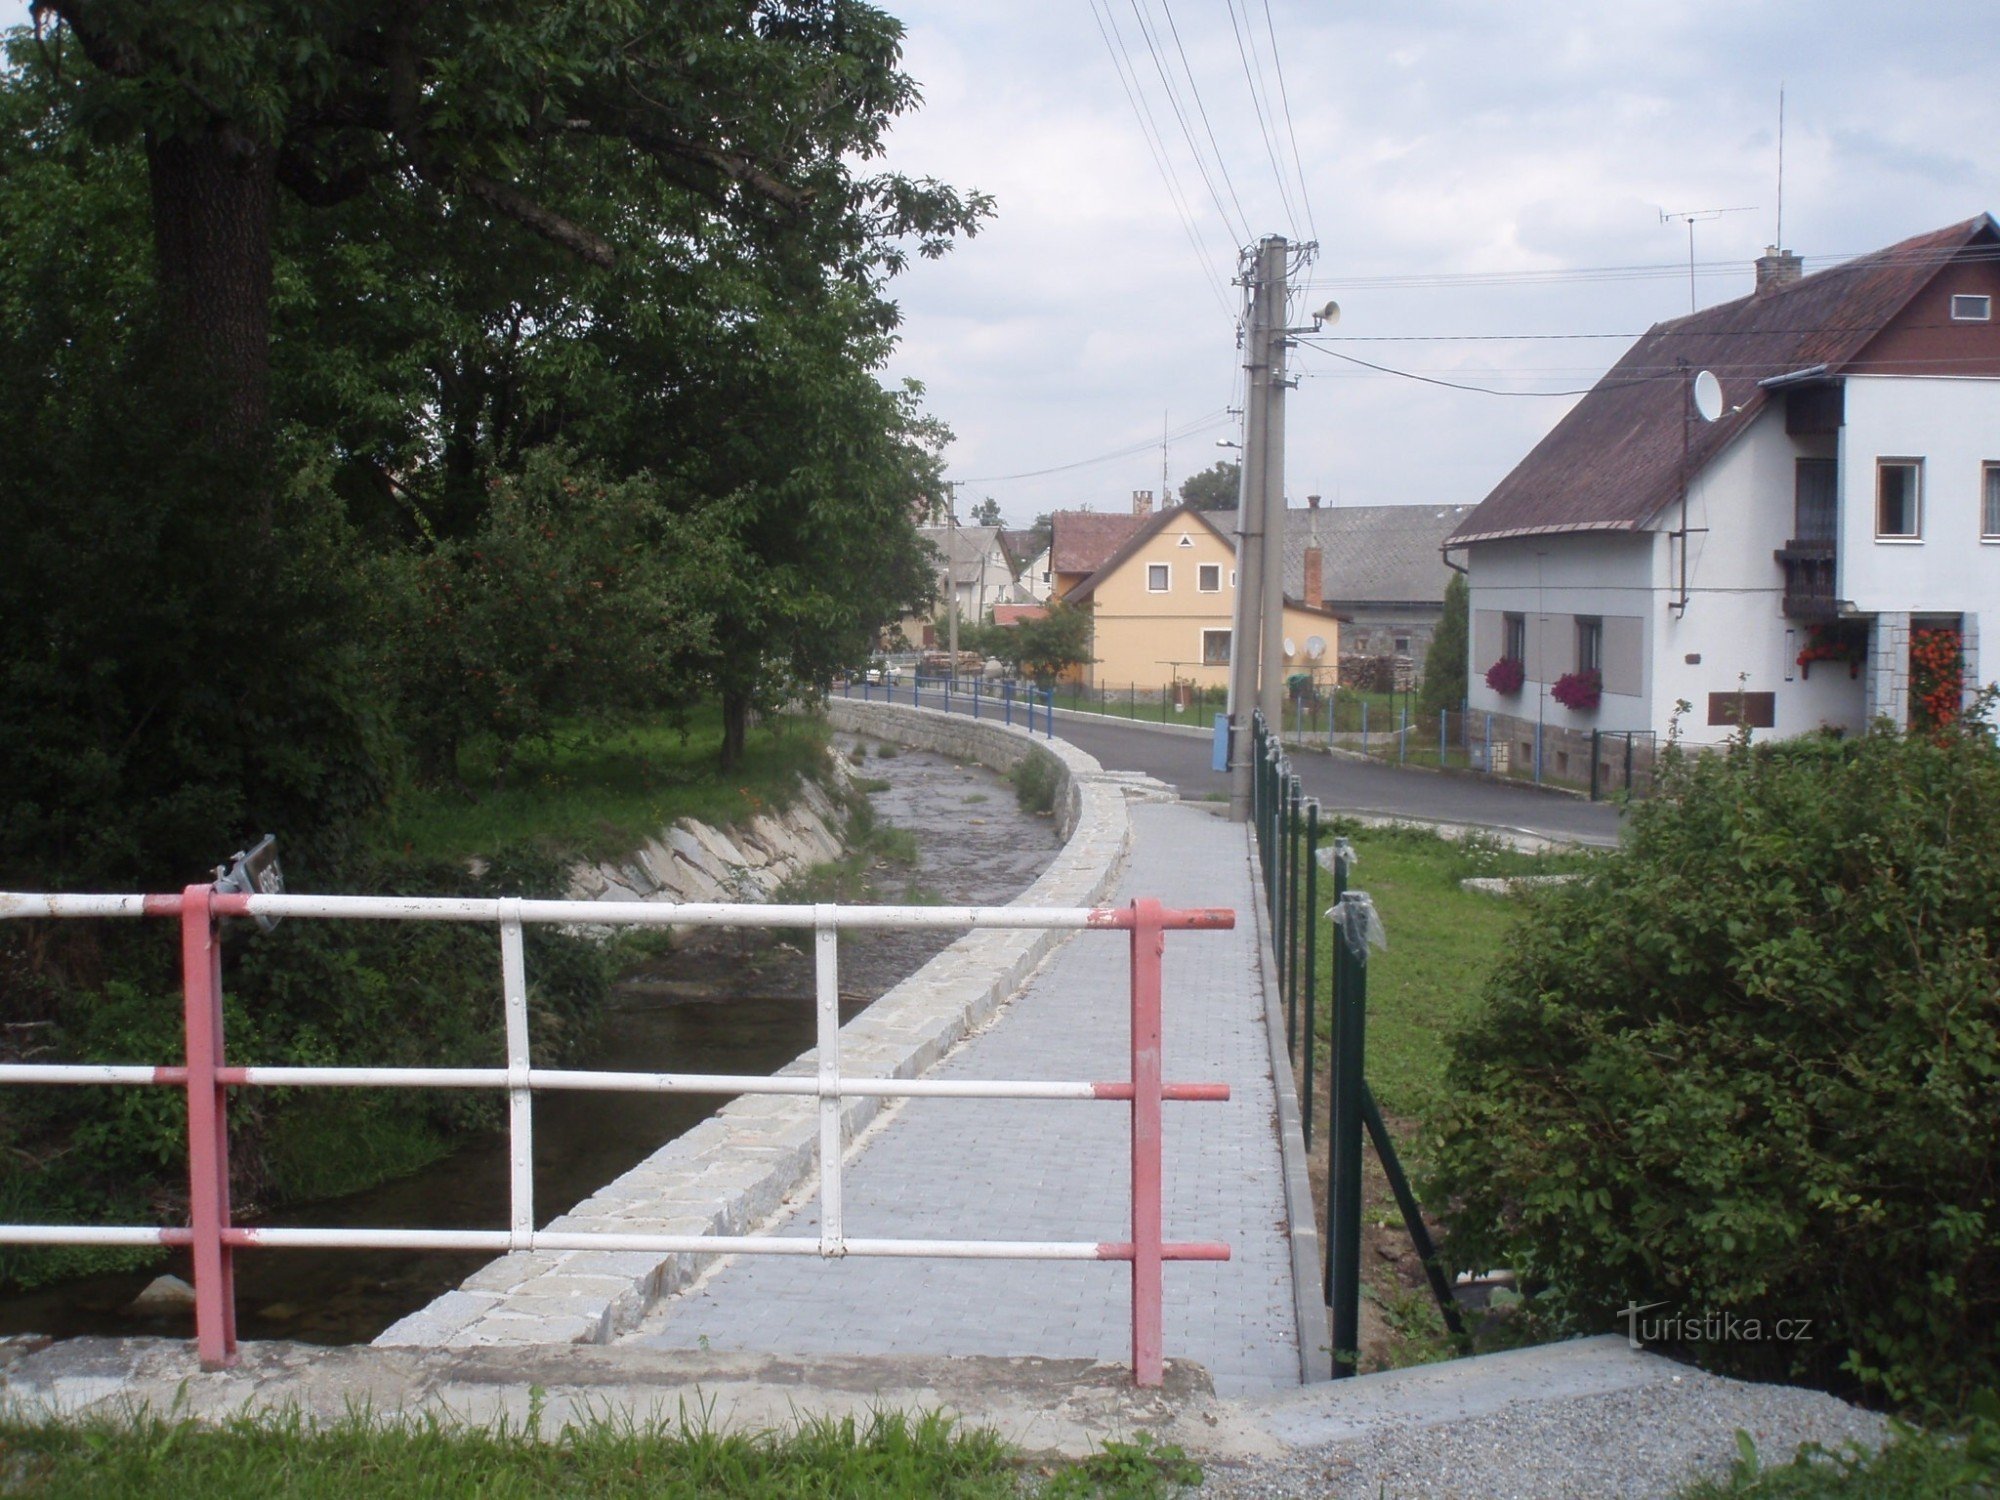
column 213, row 194
column 735, row 725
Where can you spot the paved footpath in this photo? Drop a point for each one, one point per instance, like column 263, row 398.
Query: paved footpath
column 1042, row 1170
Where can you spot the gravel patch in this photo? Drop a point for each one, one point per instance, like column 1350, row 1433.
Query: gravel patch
column 1646, row 1441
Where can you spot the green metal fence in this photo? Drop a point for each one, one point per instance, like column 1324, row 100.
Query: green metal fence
column 1287, row 827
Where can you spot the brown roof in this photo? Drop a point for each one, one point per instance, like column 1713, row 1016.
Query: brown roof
column 1144, row 528
column 1081, row 540
column 1617, row 457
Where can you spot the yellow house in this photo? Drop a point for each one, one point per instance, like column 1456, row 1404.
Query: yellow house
column 1162, row 608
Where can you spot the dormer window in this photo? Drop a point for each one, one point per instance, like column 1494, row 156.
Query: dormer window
column 1970, row 307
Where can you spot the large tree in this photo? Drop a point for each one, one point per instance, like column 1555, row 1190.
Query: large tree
column 699, row 124
column 1214, row 488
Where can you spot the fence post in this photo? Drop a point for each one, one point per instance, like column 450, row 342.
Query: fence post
column 1312, row 920
column 1350, row 1009
column 1487, row 749
column 1148, row 1351
column 1441, row 737
column 208, row 1132
column 1364, row 726
column 1048, row 717
column 1007, row 703
column 1628, row 760
column 1596, row 749
column 1403, row 738
column 1294, row 913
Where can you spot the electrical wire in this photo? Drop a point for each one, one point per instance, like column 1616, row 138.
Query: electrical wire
column 1653, row 271
column 1455, row 385
column 1195, row 91
column 1206, row 423
column 1263, row 126
column 1146, row 34
column 1120, row 61
column 1285, row 99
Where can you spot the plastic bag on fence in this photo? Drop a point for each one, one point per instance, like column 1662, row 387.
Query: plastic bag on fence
column 1357, row 921
column 1338, row 850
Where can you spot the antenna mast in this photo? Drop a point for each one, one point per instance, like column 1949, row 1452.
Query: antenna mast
column 1781, row 165
column 1691, row 217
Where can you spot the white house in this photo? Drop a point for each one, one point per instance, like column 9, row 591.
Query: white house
column 1846, row 495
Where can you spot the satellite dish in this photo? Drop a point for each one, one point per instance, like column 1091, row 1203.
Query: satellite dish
column 1290, row 649
column 1707, row 396
column 1315, row 646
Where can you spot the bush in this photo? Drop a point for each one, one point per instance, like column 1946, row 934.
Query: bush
column 1035, row 779
column 1751, row 1066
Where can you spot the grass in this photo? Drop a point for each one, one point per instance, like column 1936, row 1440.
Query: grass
column 599, row 794
column 890, row 1454
column 1912, row 1465
column 1442, row 944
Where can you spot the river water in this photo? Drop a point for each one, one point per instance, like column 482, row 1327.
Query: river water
column 732, row 1007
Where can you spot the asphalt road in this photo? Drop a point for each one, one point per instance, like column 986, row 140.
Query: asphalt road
column 1341, row 785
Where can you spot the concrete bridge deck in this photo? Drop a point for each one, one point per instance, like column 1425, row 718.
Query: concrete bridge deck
column 1020, row 1169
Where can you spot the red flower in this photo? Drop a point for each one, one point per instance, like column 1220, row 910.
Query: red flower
column 1506, row 675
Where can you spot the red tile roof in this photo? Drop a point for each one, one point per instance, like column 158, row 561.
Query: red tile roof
column 1617, row 457
column 1083, row 539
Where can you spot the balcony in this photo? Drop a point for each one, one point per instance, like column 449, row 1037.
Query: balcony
column 1809, row 569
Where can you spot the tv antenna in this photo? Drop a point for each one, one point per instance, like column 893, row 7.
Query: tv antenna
column 1692, row 217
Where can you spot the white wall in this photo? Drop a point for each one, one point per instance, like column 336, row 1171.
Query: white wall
column 1954, row 427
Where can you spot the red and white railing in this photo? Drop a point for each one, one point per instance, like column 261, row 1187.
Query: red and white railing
column 213, row 1240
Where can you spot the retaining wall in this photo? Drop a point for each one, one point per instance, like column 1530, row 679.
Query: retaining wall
column 735, row 1169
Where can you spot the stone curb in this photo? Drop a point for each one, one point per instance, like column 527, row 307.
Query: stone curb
column 736, row 1168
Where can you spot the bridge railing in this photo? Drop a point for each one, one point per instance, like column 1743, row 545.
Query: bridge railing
column 213, row 1239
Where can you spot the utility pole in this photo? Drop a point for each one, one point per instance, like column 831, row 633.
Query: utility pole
column 1247, row 634
column 1271, row 684
column 951, row 574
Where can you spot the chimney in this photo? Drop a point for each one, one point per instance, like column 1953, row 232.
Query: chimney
column 1142, row 502
column 1777, row 268
column 1311, row 587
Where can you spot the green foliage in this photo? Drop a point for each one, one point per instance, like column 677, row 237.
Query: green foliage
column 1749, row 1067
column 282, row 1455
column 987, row 513
column 1445, row 662
column 1036, row 777
column 1957, row 1461
column 574, row 598
column 1041, row 648
column 1137, row 1470
column 1217, row 487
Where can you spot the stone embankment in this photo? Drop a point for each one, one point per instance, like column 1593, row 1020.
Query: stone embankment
column 692, row 861
column 735, row 1169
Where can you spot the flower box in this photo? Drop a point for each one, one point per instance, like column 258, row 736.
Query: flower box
column 1506, row 675
column 1578, row 690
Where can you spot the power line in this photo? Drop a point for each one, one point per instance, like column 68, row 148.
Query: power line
column 1454, row 385
column 1285, row 98
column 1263, row 126
column 1651, row 271
column 1187, row 132
column 1202, row 108
column 1207, row 423
column 1149, row 132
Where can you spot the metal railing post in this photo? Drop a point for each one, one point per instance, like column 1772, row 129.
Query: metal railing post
column 1403, row 739
column 208, row 1132
column 1441, row 737
column 1148, row 1346
column 826, row 1005
column 1350, row 1008
column 1294, row 806
column 520, row 1097
column 1049, row 717
column 1364, row 726
column 1538, row 752
column 1596, row 750
column 1007, row 703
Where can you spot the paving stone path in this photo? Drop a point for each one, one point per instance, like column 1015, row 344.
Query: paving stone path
column 1040, row 1170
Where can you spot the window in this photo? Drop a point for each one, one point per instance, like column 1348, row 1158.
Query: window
column 1899, row 498
column 1514, row 637
column 1989, row 511
column 1968, row 307
column 1402, row 645
column 1156, row 578
column 1215, row 648
column 1815, row 499
column 1208, row 578
column 1589, row 644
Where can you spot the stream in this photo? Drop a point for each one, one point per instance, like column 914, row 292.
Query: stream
column 726, row 1007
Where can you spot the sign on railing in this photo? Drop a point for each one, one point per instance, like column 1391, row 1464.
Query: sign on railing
column 213, row 1239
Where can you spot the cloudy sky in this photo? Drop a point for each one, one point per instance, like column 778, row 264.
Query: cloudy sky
column 1453, row 159
column 1466, row 149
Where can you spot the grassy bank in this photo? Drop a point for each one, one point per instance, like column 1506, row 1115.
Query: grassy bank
column 597, row 793
column 890, row 1455
column 1442, row 943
